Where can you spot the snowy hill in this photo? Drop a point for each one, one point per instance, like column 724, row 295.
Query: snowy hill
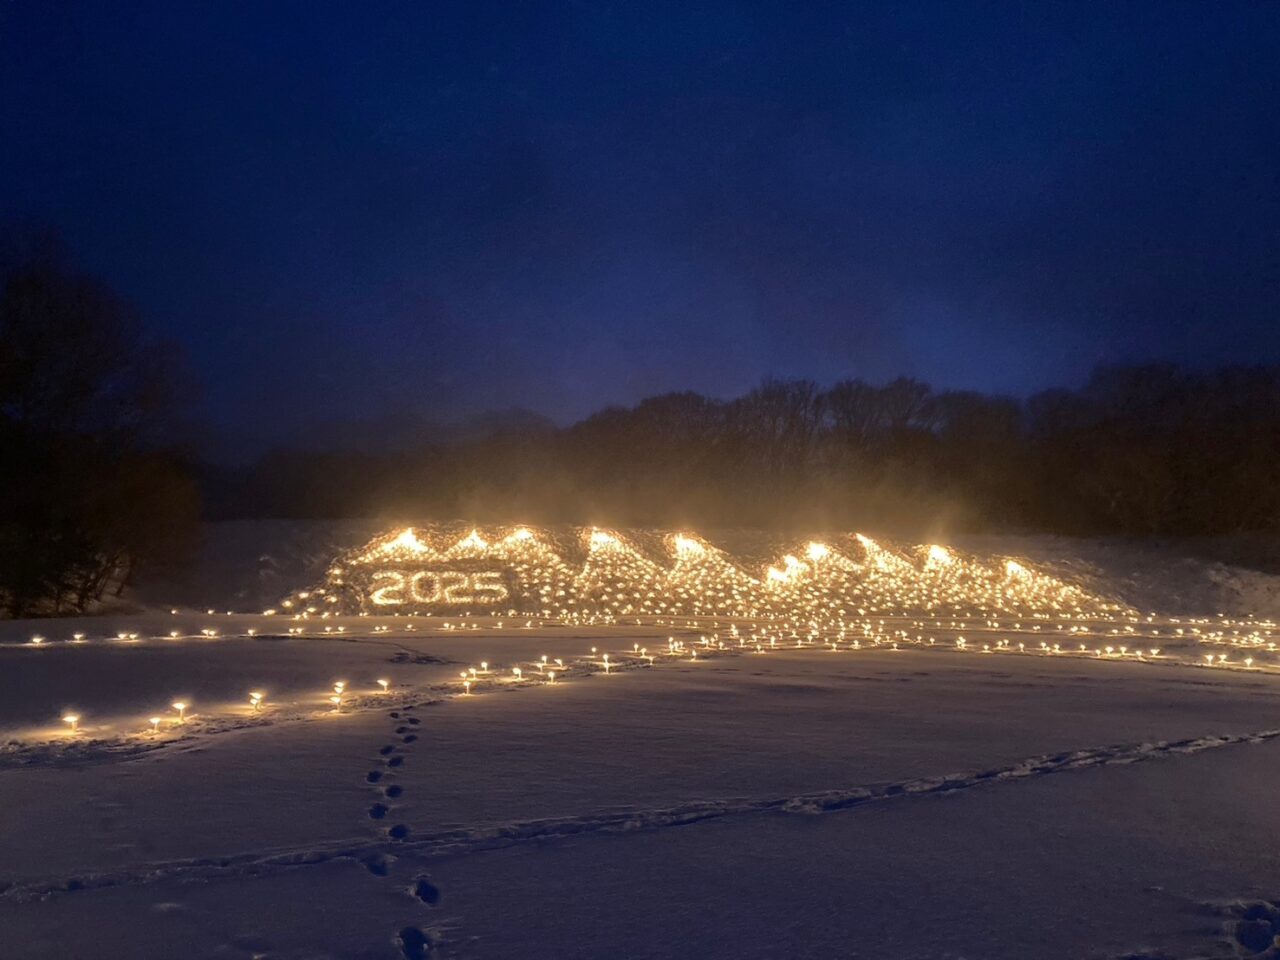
column 250, row 565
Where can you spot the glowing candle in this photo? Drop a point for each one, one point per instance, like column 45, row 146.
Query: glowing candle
column 182, row 710
column 336, row 700
column 384, row 684
column 73, row 719
column 255, row 699
column 155, row 724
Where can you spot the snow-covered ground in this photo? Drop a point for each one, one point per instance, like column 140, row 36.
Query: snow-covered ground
column 740, row 790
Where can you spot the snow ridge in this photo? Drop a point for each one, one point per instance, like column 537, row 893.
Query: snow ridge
column 468, row 840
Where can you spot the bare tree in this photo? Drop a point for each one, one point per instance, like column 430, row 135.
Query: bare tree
column 86, row 493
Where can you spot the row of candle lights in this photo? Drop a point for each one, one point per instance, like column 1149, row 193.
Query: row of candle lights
column 1259, row 637
column 256, row 699
column 758, row 641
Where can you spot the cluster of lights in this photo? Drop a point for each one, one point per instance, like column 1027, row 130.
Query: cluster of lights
column 841, row 594
column 1130, row 639
column 597, row 573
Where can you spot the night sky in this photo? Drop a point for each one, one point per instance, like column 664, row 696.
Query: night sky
column 344, row 211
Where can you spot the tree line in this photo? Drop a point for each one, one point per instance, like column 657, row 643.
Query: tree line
column 94, row 490
column 1138, row 450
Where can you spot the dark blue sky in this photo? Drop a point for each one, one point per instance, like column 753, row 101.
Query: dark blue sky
column 347, row 209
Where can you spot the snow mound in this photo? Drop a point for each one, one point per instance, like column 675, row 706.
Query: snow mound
column 570, row 572
column 251, row 565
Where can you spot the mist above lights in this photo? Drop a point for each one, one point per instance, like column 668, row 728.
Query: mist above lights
column 603, row 575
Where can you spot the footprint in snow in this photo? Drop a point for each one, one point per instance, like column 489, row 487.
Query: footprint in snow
column 393, row 791
column 413, row 943
column 1258, row 929
column 378, row 811
column 379, row 864
column 426, row 891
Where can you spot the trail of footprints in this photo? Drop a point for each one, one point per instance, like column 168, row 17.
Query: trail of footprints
column 415, row 943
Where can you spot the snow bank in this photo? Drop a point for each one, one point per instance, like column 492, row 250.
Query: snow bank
column 251, row 565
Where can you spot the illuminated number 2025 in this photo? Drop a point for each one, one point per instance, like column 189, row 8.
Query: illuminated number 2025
column 447, row 587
